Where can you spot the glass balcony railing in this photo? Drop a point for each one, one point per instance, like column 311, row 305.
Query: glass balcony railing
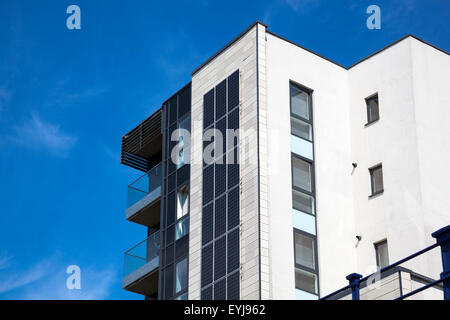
column 144, row 252
column 146, row 184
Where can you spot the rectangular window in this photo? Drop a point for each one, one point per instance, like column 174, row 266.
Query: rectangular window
column 301, row 129
column 300, row 102
column 376, row 179
column 181, row 275
column 304, row 251
column 305, row 262
column 382, row 254
column 373, row 113
column 301, row 174
column 302, row 202
column 182, row 228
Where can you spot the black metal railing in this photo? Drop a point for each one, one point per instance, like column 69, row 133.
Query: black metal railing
column 442, row 237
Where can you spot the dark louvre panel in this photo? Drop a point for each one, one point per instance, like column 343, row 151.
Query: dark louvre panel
column 207, row 293
column 220, row 290
column 171, row 182
column 233, row 286
column 220, row 178
column 221, row 99
column 220, row 220
column 233, row 251
column 168, row 288
column 169, row 254
column 207, row 224
column 208, row 109
column 184, row 101
column 233, row 208
column 171, row 234
column 207, row 265
column 182, row 247
column 171, row 208
column 208, row 184
column 233, row 90
column 173, row 109
column 220, row 256
column 183, row 174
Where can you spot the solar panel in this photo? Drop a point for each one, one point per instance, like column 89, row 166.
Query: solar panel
column 220, row 292
column 220, row 258
column 233, row 251
column 207, row 265
column 233, row 286
column 220, row 220
column 221, row 99
column 208, row 109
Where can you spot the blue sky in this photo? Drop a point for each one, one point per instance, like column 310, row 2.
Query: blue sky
column 67, row 96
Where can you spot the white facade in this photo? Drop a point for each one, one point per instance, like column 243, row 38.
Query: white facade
column 410, row 140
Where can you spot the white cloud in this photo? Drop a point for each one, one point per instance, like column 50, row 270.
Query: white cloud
column 38, row 133
column 5, row 260
column 46, row 280
column 301, row 5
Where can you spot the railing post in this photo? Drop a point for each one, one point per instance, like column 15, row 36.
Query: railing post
column 443, row 239
column 353, row 279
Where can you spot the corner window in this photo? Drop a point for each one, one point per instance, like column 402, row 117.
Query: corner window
column 373, row 113
column 382, row 254
column 302, row 174
column 376, row 179
column 305, row 262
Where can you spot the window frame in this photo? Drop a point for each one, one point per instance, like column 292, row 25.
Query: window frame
column 372, row 185
column 314, row 271
column 371, row 121
column 309, row 121
column 376, row 246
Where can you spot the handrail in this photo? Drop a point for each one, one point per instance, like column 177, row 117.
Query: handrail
column 429, row 285
column 130, row 185
column 151, row 234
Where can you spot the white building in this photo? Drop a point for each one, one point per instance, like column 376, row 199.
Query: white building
column 350, row 173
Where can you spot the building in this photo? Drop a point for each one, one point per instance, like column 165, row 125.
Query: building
column 340, row 170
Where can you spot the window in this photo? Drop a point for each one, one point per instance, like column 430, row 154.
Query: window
column 302, row 202
column 301, row 120
column 305, row 262
column 301, row 174
column 382, row 254
column 181, row 275
column 182, row 228
column 376, row 179
column 301, row 129
column 304, row 251
column 182, row 202
column 300, row 102
column 373, row 113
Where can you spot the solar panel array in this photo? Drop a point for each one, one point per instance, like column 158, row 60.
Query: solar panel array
column 220, row 212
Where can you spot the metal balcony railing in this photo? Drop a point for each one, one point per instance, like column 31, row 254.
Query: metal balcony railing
column 144, row 185
column 144, row 252
column 442, row 237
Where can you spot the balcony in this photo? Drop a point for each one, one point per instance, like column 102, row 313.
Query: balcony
column 143, row 198
column 141, row 266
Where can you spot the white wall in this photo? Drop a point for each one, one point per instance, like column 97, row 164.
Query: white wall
column 334, row 206
column 409, row 139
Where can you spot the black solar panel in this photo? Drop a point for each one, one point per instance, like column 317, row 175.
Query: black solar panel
column 207, row 265
column 221, row 128
column 220, row 258
column 233, row 251
column 220, row 290
column 221, row 99
column 233, row 208
column 208, row 184
column 207, row 223
column 208, row 109
column 233, row 175
column 220, row 220
column 233, row 286
column 220, row 178
column 233, row 90
column 207, row 293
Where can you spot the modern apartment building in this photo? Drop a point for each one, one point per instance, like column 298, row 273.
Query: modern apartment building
column 297, row 171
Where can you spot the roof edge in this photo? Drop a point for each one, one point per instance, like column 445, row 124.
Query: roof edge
column 229, row 44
